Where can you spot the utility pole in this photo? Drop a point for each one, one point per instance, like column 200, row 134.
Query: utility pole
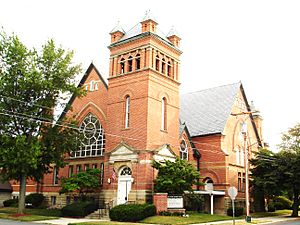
column 244, row 132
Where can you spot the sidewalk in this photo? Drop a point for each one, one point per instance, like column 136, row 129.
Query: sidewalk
column 262, row 220
column 66, row 221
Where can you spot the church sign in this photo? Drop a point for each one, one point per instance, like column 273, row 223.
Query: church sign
column 175, row 202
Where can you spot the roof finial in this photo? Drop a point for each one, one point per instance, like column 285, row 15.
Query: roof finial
column 118, row 27
column 148, row 16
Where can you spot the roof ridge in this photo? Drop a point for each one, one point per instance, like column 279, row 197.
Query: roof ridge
column 212, row 88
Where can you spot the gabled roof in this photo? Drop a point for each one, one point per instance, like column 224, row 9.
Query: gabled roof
column 82, row 81
column 206, row 112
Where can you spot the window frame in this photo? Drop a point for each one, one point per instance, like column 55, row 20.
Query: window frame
column 127, row 111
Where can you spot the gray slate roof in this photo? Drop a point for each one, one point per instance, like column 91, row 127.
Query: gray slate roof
column 206, row 112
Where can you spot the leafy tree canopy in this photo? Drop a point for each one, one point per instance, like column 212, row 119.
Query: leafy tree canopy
column 31, row 84
column 82, row 182
column 175, row 177
column 276, row 173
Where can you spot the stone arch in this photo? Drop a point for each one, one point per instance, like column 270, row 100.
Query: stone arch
column 91, row 108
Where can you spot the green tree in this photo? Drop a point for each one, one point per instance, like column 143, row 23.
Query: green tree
column 175, row 177
column 289, row 165
column 277, row 173
column 81, row 183
column 265, row 177
column 31, row 83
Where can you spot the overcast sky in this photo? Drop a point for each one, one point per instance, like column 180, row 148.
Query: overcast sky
column 256, row 42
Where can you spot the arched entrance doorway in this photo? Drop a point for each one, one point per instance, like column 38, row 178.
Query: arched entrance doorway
column 124, row 185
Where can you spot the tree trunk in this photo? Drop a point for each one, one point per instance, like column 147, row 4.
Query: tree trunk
column 296, row 203
column 22, row 193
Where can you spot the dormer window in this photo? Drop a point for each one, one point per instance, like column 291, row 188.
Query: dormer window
column 129, row 64
column 122, row 65
column 138, row 62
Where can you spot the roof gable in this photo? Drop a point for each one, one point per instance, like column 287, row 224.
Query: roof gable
column 206, row 112
column 82, row 81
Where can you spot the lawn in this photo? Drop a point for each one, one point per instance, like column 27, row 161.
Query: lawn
column 284, row 212
column 29, row 214
column 194, row 218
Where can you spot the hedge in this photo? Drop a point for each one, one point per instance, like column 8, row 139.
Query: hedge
column 282, row 202
column 10, row 203
column 35, row 200
column 79, row 209
column 132, row 213
column 238, row 211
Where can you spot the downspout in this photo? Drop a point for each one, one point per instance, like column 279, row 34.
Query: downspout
column 197, row 155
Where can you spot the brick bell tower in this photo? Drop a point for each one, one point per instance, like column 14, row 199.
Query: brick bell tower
column 143, row 107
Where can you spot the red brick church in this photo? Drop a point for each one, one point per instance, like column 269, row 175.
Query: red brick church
column 138, row 115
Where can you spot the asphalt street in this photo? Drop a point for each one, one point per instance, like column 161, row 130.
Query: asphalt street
column 292, row 222
column 11, row 222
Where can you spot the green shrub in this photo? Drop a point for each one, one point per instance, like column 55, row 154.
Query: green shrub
column 193, row 202
column 238, row 211
column 34, row 200
column 165, row 213
column 79, row 209
column 282, row 202
column 271, row 207
column 132, row 213
column 10, row 203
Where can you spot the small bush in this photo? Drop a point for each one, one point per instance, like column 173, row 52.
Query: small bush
column 271, row 207
column 165, row 213
column 10, row 203
column 282, row 202
column 238, row 211
column 132, row 213
column 35, row 200
column 79, row 209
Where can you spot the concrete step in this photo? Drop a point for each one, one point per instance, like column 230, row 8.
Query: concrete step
column 99, row 214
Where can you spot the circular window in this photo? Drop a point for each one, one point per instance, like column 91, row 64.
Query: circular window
column 93, row 143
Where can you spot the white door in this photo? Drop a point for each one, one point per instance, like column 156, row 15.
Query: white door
column 124, row 185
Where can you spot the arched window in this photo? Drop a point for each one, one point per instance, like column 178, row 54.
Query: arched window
column 183, row 150
column 169, row 69
column 138, row 62
column 93, row 143
column 157, row 63
column 127, row 111
column 126, row 171
column 164, row 114
column 129, row 64
column 163, row 66
column 122, row 65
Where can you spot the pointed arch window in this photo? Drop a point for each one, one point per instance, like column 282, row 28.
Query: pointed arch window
column 129, row 64
column 164, row 114
column 122, row 66
column 93, row 143
column 157, row 63
column 183, row 150
column 127, row 111
column 169, row 69
column 138, row 62
column 163, row 66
